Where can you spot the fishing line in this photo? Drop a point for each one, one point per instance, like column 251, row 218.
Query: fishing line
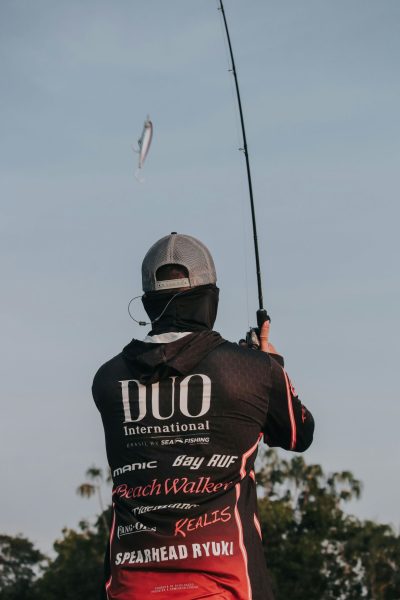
column 245, row 237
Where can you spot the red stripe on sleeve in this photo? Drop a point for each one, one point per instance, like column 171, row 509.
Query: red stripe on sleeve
column 291, row 413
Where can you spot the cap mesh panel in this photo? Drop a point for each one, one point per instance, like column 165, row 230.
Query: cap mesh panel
column 183, row 250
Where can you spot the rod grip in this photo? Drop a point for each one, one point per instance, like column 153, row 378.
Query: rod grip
column 262, row 316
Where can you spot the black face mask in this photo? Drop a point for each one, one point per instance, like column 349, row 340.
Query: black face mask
column 191, row 310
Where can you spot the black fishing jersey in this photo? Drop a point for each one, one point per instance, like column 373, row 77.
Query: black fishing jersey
column 182, row 424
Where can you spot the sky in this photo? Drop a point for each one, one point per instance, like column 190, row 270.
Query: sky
column 320, row 90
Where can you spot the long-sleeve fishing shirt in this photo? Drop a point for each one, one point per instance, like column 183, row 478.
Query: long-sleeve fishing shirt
column 182, row 421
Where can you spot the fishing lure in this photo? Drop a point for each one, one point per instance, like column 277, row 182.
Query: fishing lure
column 144, row 143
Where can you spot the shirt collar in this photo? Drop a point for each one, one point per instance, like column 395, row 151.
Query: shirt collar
column 166, row 338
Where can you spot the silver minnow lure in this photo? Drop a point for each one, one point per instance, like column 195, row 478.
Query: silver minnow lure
column 144, row 144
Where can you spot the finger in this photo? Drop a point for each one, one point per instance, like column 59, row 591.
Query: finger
column 264, row 335
column 272, row 349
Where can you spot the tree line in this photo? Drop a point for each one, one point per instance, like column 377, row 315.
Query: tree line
column 313, row 548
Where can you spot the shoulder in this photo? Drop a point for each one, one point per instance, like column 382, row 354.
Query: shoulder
column 107, row 369
column 242, row 352
column 236, row 355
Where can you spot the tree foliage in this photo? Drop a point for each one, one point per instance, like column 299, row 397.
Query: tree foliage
column 89, row 488
column 314, row 549
column 19, row 564
column 76, row 572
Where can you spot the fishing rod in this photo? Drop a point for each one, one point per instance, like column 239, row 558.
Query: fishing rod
column 262, row 314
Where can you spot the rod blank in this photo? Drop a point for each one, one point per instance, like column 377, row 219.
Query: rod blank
column 246, row 155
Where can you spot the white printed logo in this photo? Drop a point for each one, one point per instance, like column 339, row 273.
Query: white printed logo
column 221, row 461
column 184, row 400
column 133, row 528
column 152, row 464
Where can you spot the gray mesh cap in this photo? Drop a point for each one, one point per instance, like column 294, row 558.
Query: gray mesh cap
column 182, row 250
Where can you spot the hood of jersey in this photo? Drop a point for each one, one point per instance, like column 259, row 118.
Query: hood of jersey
column 157, row 361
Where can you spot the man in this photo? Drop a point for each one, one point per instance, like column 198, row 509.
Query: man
column 183, row 413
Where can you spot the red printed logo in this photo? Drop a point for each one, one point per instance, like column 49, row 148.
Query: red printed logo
column 184, row 526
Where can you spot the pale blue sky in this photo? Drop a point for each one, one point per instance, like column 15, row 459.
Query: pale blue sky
column 320, row 89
